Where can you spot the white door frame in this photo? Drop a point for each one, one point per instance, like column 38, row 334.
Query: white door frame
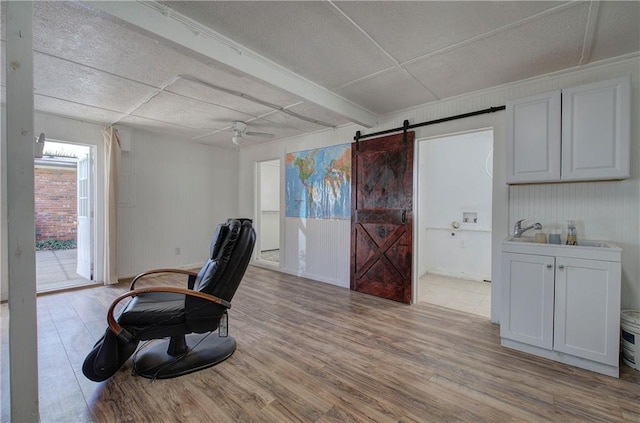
column 436, row 132
column 85, row 233
column 258, row 213
column 97, row 192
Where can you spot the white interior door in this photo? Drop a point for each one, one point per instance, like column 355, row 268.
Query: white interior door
column 85, row 214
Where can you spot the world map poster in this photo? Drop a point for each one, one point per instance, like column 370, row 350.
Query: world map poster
column 318, row 183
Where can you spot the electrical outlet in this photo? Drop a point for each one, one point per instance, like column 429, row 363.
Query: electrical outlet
column 177, row 251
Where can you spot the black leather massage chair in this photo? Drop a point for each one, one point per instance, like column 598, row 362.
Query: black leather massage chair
column 187, row 316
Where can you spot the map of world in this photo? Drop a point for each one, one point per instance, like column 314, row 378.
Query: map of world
column 318, row 183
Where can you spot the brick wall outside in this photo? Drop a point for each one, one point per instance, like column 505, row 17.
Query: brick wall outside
column 55, row 203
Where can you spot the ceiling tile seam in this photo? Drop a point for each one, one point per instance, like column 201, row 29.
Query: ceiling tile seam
column 73, row 62
column 148, row 98
column 491, row 33
column 258, row 101
column 199, row 29
column 380, row 48
column 237, row 93
column 106, row 110
column 177, row 125
column 82, row 120
column 151, row 96
column 137, row 82
column 199, row 100
column 589, row 32
column 262, row 116
column 363, row 78
column 173, row 80
column 76, row 103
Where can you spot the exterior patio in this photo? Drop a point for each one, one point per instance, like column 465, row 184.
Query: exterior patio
column 56, row 270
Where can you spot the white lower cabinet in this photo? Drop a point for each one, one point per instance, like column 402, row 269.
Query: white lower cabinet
column 528, row 299
column 559, row 305
column 587, row 309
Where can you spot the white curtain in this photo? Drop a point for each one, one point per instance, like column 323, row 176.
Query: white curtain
column 112, row 170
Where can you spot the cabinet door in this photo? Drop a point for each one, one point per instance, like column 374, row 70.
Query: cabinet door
column 527, row 299
column 533, row 139
column 596, row 131
column 587, row 309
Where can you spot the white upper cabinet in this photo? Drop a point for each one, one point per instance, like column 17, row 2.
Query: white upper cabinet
column 577, row 134
column 533, row 131
column 595, row 131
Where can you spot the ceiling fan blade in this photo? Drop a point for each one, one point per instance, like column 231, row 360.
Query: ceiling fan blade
column 259, row 134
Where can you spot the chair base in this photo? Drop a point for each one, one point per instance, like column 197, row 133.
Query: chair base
column 204, row 350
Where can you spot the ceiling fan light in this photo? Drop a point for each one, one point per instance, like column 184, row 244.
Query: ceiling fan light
column 237, row 139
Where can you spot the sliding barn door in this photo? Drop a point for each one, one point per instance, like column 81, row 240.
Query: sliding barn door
column 382, row 216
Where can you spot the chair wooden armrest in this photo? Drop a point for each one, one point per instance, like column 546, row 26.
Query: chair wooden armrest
column 151, row 272
column 124, row 334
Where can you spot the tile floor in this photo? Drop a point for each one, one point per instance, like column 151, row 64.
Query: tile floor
column 270, row 255
column 57, row 270
column 459, row 294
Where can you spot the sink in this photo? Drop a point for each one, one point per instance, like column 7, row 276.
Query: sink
column 581, row 243
column 597, row 244
column 586, row 249
column 521, row 239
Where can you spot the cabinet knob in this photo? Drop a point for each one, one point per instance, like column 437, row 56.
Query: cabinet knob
column 549, row 266
column 561, row 267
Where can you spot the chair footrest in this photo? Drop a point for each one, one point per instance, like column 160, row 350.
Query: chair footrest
column 204, row 350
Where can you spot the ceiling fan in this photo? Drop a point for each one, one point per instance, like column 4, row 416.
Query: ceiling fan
column 240, row 131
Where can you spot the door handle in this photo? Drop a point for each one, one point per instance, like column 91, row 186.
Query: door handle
column 561, row 267
column 549, row 266
column 404, row 216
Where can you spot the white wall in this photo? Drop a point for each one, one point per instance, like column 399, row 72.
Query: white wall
column 179, row 191
column 335, row 237
column 455, row 177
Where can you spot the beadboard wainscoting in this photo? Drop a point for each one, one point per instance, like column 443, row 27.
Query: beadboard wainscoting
column 600, row 209
column 318, row 249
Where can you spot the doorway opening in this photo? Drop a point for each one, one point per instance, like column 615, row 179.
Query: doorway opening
column 455, row 208
column 64, row 209
column 269, row 212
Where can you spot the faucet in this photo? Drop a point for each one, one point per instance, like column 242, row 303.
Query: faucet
column 518, row 230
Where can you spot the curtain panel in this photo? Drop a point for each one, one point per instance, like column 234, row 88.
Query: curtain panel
column 112, row 172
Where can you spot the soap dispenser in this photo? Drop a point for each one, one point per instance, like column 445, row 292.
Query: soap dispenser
column 572, row 234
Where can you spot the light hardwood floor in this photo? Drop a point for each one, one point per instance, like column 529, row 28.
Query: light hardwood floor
column 312, row 352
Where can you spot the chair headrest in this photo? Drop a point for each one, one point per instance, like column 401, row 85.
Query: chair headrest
column 230, row 254
column 219, row 235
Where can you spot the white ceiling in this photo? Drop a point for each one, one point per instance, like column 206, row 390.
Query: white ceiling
column 189, row 69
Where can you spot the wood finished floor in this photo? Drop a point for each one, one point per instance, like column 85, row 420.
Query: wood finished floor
column 312, row 352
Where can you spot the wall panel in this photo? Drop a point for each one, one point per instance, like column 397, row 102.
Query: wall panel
column 182, row 191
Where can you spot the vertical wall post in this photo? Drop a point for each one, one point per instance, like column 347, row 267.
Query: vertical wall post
column 23, row 340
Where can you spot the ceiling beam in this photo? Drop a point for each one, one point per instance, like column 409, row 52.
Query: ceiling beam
column 168, row 24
